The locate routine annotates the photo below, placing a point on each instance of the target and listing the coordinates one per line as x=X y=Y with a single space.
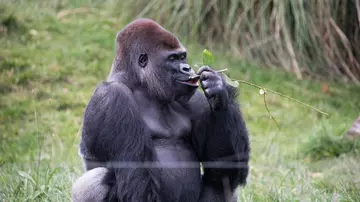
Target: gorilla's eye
x=172 y=57
x=143 y=60
x=182 y=56
x=175 y=57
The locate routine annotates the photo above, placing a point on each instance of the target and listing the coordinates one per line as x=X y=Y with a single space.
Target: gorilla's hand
x=214 y=88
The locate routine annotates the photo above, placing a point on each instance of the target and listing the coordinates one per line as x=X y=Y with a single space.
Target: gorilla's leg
x=90 y=187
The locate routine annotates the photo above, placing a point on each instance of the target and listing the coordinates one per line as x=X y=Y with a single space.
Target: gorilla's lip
x=190 y=82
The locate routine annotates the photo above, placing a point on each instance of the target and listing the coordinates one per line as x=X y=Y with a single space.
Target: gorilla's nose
x=185 y=69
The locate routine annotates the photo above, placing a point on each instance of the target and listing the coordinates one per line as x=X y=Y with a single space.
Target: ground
x=50 y=65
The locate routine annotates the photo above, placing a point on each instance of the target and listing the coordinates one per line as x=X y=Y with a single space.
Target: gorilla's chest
x=170 y=122
x=165 y=121
x=169 y=125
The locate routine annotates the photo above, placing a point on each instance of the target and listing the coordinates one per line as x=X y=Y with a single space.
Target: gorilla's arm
x=114 y=133
x=222 y=144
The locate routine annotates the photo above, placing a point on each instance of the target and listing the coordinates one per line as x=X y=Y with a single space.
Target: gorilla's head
x=154 y=58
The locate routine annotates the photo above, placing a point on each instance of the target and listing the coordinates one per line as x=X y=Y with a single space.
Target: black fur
x=221 y=137
x=113 y=132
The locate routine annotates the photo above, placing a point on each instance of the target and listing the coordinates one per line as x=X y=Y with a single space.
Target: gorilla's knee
x=90 y=187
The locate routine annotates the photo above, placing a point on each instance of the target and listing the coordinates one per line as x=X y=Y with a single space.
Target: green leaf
x=207 y=58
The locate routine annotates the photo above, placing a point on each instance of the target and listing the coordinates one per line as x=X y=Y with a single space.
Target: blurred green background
x=53 y=53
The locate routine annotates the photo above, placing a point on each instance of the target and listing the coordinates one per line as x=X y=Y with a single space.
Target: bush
x=326 y=145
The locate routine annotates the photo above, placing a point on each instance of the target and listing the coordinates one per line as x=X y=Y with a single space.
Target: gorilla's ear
x=143 y=60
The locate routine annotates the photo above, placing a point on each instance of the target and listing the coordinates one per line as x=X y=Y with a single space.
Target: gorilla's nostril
x=185 y=67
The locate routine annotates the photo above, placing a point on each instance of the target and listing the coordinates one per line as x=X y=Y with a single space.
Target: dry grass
x=316 y=38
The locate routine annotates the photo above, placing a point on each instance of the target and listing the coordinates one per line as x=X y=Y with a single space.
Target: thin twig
x=267 y=109
x=222 y=70
x=269 y=90
x=282 y=95
x=198 y=76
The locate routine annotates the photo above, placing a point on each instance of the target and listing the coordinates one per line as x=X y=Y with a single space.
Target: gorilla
x=150 y=134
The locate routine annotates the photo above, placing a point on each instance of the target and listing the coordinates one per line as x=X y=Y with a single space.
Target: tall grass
x=319 y=38
x=316 y=38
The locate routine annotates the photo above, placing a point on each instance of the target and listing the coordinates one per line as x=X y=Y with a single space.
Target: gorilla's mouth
x=191 y=82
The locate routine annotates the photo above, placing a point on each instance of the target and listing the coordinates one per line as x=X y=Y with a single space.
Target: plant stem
x=267 y=109
x=282 y=95
x=198 y=76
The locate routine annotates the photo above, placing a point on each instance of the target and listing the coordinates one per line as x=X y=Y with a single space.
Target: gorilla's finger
x=207 y=93
x=204 y=84
x=204 y=68
x=211 y=92
x=205 y=75
x=209 y=83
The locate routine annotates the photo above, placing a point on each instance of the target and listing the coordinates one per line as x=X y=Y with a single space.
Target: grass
x=49 y=67
x=317 y=38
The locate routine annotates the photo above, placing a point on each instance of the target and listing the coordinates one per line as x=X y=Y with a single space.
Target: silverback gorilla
x=147 y=129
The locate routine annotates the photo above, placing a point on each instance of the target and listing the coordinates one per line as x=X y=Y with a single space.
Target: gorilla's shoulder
x=112 y=91
x=112 y=87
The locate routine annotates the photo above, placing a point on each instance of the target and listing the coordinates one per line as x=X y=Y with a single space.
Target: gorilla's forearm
x=225 y=144
x=228 y=145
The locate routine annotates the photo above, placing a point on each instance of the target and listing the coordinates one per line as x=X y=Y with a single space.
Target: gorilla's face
x=168 y=75
x=183 y=79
